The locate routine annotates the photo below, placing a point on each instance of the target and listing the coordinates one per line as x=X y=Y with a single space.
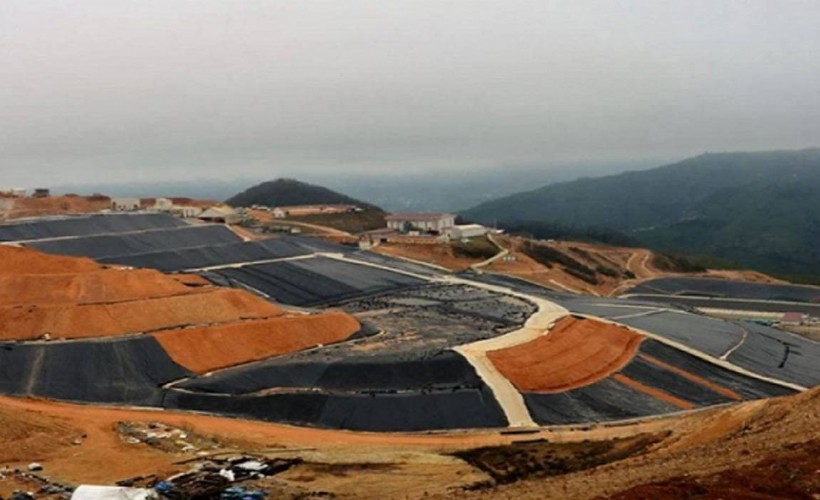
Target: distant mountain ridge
x=757 y=209
x=286 y=192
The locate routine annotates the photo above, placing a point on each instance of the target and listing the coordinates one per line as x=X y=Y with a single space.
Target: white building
x=162 y=205
x=14 y=192
x=125 y=204
x=431 y=221
x=461 y=232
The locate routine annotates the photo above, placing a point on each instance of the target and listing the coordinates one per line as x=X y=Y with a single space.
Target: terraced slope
x=706 y=287
x=399 y=356
x=575 y=353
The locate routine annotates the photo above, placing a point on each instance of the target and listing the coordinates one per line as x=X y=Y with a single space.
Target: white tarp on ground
x=87 y=492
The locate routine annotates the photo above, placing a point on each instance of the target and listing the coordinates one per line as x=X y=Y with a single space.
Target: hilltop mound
x=287 y=192
x=16 y=260
x=17 y=208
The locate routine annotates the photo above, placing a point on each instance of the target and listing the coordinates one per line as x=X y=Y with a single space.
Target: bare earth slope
x=759 y=449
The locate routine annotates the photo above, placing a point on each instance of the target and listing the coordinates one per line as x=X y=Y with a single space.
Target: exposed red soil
x=438 y=254
x=755 y=449
x=792 y=474
x=617 y=260
x=55 y=205
x=106 y=285
x=18 y=260
x=616 y=269
x=104 y=458
x=101 y=320
x=27 y=434
x=575 y=353
x=654 y=392
x=206 y=349
x=693 y=378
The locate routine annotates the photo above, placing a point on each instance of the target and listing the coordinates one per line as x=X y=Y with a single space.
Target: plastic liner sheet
x=748 y=387
x=124 y=371
x=360 y=374
x=107 y=246
x=671 y=383
x=733 y=304
x=214 y=255
x=315 y=281
x=520 y=285
x=779 y=354
x=603 y=401
x=411 y=411
x=710 y=335
x=396 y=263
x=60 y=227
x=711 y=287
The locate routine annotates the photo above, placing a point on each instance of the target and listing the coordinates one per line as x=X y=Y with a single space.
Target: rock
x=34 y=466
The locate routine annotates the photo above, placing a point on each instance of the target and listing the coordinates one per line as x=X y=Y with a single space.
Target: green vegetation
x=547 y=230
x=547 y=256
x=676 y=264
x=286 y=192
x=760 y=210
x=475 y=248
x=352 y=222
x=540 y=458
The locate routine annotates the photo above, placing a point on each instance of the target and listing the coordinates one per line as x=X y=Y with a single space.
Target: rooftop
x=417 y=216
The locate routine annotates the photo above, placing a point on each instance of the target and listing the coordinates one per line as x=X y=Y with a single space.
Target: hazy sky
x=116 y=90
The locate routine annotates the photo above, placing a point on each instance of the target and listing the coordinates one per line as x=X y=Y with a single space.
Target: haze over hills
x=397 y=190
x=284 y=192
x=757 y=209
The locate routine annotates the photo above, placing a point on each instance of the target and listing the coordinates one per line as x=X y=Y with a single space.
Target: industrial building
x=464 y=231
x=300 y=210
x=433 y=222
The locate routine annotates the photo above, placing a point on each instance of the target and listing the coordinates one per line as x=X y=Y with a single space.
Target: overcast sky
x=117 y=90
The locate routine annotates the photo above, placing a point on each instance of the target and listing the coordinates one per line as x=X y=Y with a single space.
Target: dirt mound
x=107 y=285
x=101 y=320
x=56 y=205
x=17 y=260
x=440 y=254
x=791 y=473
x=26 y=436
x=206 y=349
x=575 y=353
x=756 y=449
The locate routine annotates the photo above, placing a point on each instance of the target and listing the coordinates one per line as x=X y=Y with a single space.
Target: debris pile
x=165 y=437
x=29 y=485
x=216 y=479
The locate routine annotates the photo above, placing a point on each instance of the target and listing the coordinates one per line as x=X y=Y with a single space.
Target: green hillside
x=285 y=192
x=760 y=210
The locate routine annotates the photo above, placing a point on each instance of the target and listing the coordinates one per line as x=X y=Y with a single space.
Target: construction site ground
x=79 y=444
x=410 y=352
